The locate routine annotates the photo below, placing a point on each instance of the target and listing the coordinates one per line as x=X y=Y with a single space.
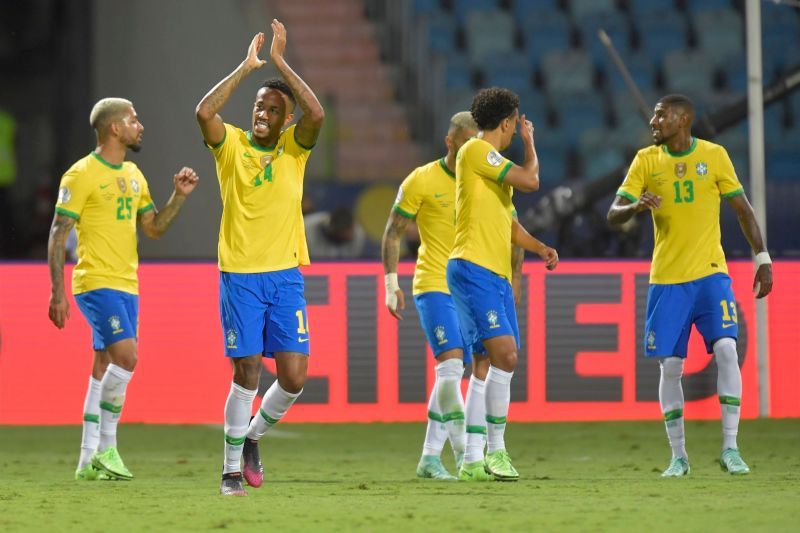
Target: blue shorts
x=263 y=313
x=439 y=320
x=708 y=303
x=484 y=302
x=113 y=315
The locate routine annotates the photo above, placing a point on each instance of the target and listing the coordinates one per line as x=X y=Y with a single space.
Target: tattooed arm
x=154 y=223
x=390 y=251
x=59 y=306
x=310 y=123
x=207 y=110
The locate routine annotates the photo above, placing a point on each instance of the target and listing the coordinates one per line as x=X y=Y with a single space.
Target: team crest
x=123 y=187
x=230 y=337
x=491 y=316
x=702 y=168
x=440 y=334
x=494 y=158
x=266 y=160
x=135 y=186
x=115 y=324
x=651 y=340
x=680 y=169
x=64 y=195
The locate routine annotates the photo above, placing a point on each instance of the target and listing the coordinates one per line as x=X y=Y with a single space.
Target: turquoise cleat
x=431 y=467
x=678 y=466
x=731 y=461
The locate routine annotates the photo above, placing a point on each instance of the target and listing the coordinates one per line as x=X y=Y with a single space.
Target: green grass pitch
x=582 y=477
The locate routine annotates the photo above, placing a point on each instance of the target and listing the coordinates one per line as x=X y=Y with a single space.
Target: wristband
x=762 y=258
x=390 y=281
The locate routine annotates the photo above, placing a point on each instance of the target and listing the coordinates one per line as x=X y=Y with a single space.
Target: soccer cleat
x=459 y=459
x=678 y=466
x=87 y=473
x=499 y=465
x=731 y=461
x=232 y=485
x=475 y=471
x=111 y=463
x=431 y=467
x=253 y=470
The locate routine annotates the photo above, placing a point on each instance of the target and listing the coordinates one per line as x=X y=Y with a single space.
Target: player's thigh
x=715 y=314
x=439 y=321
x=112 y=315
x=668 y=320
x=124 y=353
x=242 y=310
x=287 y=328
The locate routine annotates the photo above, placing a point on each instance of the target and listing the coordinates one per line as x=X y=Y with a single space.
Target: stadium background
x=390 y=74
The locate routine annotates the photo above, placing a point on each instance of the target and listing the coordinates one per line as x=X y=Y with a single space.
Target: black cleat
x=232 y=485
x=253 y=470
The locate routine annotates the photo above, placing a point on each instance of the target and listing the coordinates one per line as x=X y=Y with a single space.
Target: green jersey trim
x=624 y=194
x=396 y=209
x=258 y=146
x=67 y=213
x=145 y=209
x=224 y=136
x=301 y=145
x=685 y=152
x=503 y=172
x=731 y=194
x=446 y=170
x=106 y=163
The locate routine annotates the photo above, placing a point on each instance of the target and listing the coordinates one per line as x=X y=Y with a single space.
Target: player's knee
x=505 y=360
x=292 y=384
x=671 y=367
x=725 y=352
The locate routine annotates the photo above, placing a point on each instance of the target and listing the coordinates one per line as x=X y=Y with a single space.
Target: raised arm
x=310 y=123
x=390 y=251
x=59 y=306
x=207 y=111
x=523 y=239
x=525 y=178
x=762 y=283
x=154 y=223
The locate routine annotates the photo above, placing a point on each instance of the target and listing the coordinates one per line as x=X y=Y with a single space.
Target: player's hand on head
x=550 y=258
x=762 y=284
x=252 y=61
x=278 y=40
x=58 y=310
x=526 y=128
x=185 y=181
x=648 y=200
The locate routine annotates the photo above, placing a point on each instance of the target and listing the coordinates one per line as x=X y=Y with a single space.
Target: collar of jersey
x=447 y=170
x=685 y=152
x=106 y=163
x=258 y=146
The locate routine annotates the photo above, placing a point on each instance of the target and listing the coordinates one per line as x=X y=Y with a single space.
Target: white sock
x=436 y=432
x=112 y=397
x=729 y=389
x=670 y=395
x=498 y=398
x=449 y=374
x=237 y=417
x=274 y=405
x=91 y=423
x=476 y=420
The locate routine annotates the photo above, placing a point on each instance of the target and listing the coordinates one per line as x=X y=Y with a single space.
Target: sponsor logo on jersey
x=64 y=195
x=266 y=160
x=123 y=187
x=680 y=169
x=135 y=186
x=702 y=168
x=494 y=158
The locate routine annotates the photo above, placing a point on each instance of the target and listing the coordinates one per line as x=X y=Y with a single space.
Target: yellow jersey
x=262 y=188
x=686 y=226
x=428 y=195
x=483 y=208
x=105 y=200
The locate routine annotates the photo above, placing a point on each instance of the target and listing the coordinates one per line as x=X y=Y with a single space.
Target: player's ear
x=448 y=142
x=289 y=118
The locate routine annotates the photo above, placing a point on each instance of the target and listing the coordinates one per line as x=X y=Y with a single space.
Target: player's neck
x=111 y=152
x=493 y=137
x=450 y=161
x=680 y=142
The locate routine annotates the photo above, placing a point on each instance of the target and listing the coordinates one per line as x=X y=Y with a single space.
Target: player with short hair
x=479 y=271
x=681 y=179
x=104 y=196
x=261 y=245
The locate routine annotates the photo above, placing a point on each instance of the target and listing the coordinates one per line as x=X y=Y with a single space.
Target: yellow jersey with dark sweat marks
x=686 y=226
x=105 y=200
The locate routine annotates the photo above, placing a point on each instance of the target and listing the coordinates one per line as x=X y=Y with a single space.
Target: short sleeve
x=409 y=197
x=727 y=182
x=72 y=195
x=292 y=147
x=224 y=149
x=487 y=162
x=145 y=200
x=633 y=186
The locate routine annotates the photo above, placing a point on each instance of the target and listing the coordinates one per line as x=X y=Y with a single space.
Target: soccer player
x=680 y=180
x=104 y=196
x=479 y=270
x=261 y=245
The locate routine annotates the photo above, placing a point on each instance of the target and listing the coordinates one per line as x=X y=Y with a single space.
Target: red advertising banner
x=581 y=356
